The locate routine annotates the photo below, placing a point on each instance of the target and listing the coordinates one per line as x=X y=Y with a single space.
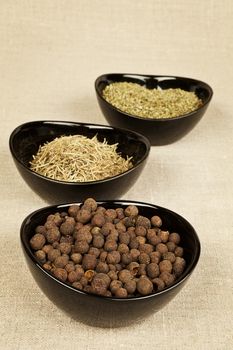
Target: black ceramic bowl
x=159 y=131
x=109 y=311
x=25 y=141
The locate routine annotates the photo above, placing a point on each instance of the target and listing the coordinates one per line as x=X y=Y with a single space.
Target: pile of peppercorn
x=109 y=252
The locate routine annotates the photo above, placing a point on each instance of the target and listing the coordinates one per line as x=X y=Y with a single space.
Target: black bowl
x=109 y=311
x=159 y=131
x=25 y=141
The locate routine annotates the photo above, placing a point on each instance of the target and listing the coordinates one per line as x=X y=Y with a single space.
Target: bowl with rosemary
x=163 y=108
x=109 y=263
x=67 y=161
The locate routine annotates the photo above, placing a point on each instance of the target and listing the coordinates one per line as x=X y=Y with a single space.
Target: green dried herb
x=137 y=100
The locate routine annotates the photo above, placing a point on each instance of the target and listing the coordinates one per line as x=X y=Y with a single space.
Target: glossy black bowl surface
x=108 y=311
x=25 y=141
x=159 y=131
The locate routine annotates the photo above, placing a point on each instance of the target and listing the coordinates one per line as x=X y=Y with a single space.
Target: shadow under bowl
x=26 y=139
x=99 y=311
x=159 y=131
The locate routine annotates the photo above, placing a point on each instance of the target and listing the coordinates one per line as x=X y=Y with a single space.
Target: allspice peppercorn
x=144 y=286
x=37 y=241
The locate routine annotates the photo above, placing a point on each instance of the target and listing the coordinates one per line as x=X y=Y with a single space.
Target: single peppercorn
x=141 y=270
x=130 y=286
x=61 y=261
x=47 y=266
x=110 y=245
x=90 y=204
x=134 y=254
x=144 y=286
x=162 y=248
x=112 y=275
x=98 y=220
x=126 y=258
x=152 y=270
x=123 y=248
x=158 y=284
x=124 y=238
x=133 y=268
x=80 y=272
x=114 y=285
x=102 y=267
x=141 y=240
x=125 y=275
x=121 y=293
x=81 y=247
x=144 y=258
x=179 y=251
x=76 y=258
x=120 y=213
x=120 y=227
x=94 y=251
x=167 y=278
x=140 y=231
x=41 y=256
x=72 y=276
x=165 y=266
x=89 y=262
x=129 y=221
x=53 y=234
x=53 y=254
x=40 y=229
x=134 y=244
x=67 y=227
x=89 y=275
x=143 y=221
x=37 y=241
x=155 y=257
x=99 y=283
x=146 y=248
x=156 y=221
x=84 y=281
x=60 y=273
x=169 y=256
x=131 y=210
x=174 y=237
x=70 y=266
x=98 y=241
x=113 y=257
x=113 y=236
x=83 y=215
x=65 y=248
x=110 y=214
x=77 y=285
x=73 y=210
x=107 y=228
x=178 y=266
x=46 y=248
x=171 y=246
x=103 y=256
x=163 y=235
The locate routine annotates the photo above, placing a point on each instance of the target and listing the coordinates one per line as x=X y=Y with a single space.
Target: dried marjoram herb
x=137 y=100
x=78 y=158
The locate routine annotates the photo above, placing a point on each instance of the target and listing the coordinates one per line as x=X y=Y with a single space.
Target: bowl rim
x=203 y=84
x=185 y=275
x=39 y=123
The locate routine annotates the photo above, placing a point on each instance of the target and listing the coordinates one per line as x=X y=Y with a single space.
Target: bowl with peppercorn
x=109 y=263
x=66 y=161
x=163 y=108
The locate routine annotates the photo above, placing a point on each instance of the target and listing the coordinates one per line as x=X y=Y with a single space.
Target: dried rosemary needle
x=140 y=101
x=78 y=158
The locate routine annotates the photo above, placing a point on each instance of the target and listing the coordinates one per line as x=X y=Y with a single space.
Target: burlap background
x=51 y=53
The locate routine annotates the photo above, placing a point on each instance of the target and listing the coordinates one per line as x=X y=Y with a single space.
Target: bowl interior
x=201 y=89
x=26 y=139
x=171 y=221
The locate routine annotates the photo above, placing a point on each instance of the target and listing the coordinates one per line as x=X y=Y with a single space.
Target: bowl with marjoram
x=109 y=309
x=161 y=129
